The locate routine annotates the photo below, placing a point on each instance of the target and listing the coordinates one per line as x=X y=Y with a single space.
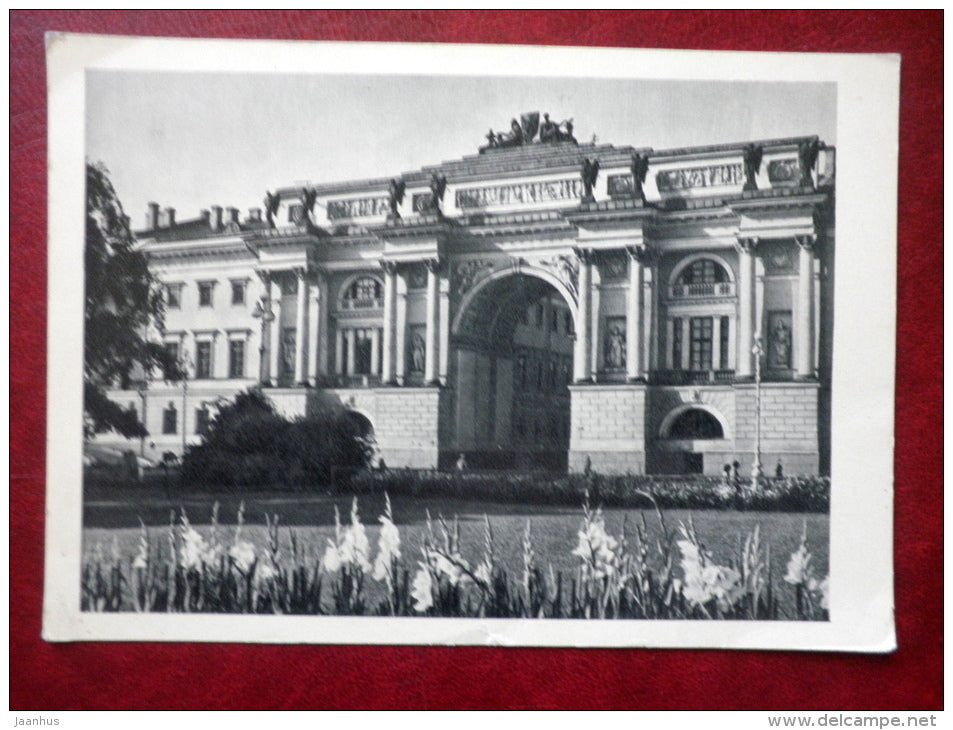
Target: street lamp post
x=264 y=313
x=184 y=368
x=757 y=351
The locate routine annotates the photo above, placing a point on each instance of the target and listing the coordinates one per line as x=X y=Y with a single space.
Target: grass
x=496 y=560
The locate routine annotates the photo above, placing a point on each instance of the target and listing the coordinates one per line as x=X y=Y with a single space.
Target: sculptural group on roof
x=524 y=131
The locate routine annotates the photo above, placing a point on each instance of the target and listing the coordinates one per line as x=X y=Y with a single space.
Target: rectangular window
x=676 y=344
x=201 y=420
x=173 y=349
x=170 y=420
x=554 y=324
x=203 y=360
x=173 y=296
x=236 y=358
x=540 y=320
x=206 y=288
x=723 y=364
x=700 y=329
x=238 y=293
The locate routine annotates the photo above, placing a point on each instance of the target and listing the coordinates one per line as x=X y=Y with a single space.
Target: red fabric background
x=202 y=676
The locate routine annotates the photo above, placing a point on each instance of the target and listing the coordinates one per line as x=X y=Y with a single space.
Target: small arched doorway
x=686 y=435
x=359 y=427
x=511 y=366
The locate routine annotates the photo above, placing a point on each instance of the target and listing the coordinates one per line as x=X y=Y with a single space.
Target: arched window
x=703 y=277
x=363 y=293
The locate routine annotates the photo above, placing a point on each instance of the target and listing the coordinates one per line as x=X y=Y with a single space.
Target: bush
x=249 y=444
x=789 y=494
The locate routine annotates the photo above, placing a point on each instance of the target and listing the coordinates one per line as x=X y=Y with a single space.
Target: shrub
x=249 y=444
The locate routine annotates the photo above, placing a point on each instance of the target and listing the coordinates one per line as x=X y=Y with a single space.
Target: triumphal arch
x=539 y=303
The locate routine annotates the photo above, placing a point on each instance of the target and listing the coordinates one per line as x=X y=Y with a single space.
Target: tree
x=123 y=300
x=249 y=444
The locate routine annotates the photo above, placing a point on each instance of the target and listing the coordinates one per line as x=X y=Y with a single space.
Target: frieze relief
x=613 y=266
x=784 y=172
x=700 y=177
x=546 y=191
x=358 y=207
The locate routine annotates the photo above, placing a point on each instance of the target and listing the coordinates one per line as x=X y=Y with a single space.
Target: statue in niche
x=640 y=168
x=615 y=347
x=395 y=196
x=807 y=157
x=752 y=162
x=418 y=356
x=272 y=201
x=288 y=352
x=590 y=173
x=781 y=344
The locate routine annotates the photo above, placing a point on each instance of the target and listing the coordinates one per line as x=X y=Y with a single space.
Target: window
x=703 y=278
x=201 y=420
x=173 y=296
x=238 y=293
x=554 y=323
x=236 y=358
x=723 y=359
x=203 y=360
x=568 y=323
x=677 y=344
x=172 y=348
x=364 y=293
x=540 y=320
x=170 y=418
x=206 y=289
x=700 y=338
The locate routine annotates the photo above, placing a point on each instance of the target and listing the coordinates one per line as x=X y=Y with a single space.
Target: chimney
x=152 y=216
x=254 y=215
x=170 y=217
x=216 y=222
x=232 y=215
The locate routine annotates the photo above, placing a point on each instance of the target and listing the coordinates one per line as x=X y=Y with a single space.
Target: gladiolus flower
x=242 y=554
x=388 y=549
x=422 y=590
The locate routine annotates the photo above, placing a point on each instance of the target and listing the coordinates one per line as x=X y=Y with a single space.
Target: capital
x=585 y=255
x=807 y=242
x=389 y=267
x=645 y=255
x=747 y=244
x=433 y=265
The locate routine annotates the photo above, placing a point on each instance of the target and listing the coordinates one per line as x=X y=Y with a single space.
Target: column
x=390 y=321
x=583 y=319
x=716 y=342
x=301 y=328
x=444 y=327
x=686 y=363
x=274 y=346
x=351 y=351
x=375 y=350
x=315 y=333
x=430 y=365
x=633 y=316
x=745 y=305
x=595 y=330
x=339 y=351
x=400 y=335
x=805 y=307
x=323 y=338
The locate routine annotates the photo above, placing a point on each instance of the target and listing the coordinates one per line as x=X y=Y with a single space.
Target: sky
x=193 y=140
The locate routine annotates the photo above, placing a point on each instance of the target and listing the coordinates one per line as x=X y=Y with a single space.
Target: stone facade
x=532 y=317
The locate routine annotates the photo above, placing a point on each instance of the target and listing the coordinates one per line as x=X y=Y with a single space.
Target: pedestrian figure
x=735 y=476
x=587 y=469
x=727 y=470
x=381 y=465
x=462 y=463
x=779 y=470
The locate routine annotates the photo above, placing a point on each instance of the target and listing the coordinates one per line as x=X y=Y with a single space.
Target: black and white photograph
x=414 y=344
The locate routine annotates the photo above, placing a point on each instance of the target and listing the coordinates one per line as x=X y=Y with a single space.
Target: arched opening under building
x=512 y=363
x=688 y=436
x=360 y=427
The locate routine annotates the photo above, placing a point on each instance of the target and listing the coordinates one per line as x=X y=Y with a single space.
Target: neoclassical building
x=539 y=303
